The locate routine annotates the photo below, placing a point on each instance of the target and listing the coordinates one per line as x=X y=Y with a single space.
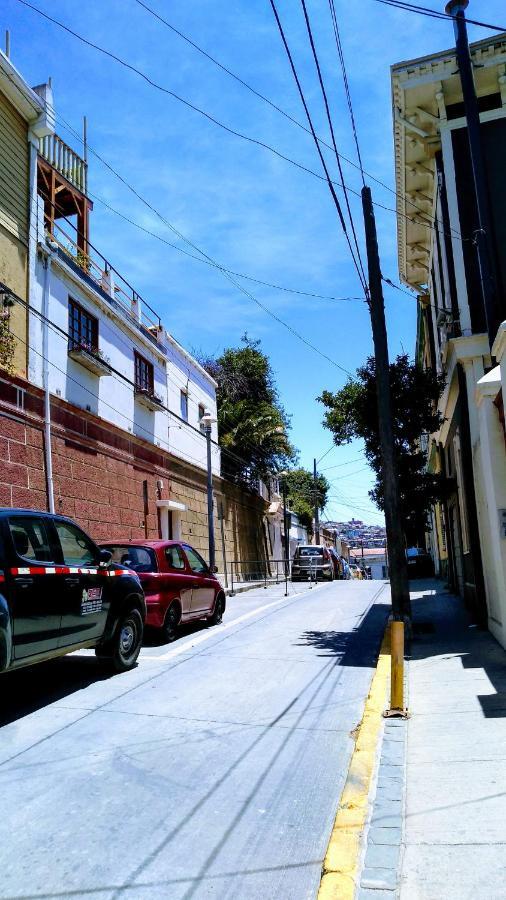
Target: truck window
x=31 y=539
x=78 y=549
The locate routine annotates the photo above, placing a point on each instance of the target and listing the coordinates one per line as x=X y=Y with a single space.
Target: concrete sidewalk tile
x=382 y=856
x=394 y=790
x=379 y=879
x=387 y=820
x=379 y=835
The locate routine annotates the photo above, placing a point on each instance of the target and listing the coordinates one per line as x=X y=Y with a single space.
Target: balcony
x=91 y=359
x=64 y=160
x=149 y=400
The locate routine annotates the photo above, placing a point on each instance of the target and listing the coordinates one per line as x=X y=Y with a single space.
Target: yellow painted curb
x=340 y=866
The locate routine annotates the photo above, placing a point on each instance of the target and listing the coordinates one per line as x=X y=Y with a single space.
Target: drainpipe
x=45 y=381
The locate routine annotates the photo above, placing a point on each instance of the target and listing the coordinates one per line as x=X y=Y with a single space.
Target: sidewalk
x=452 y=812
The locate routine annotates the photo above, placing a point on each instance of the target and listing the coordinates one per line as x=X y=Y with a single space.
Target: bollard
x=397 y=707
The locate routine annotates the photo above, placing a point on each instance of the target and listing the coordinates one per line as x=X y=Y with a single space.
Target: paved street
x=212 y=770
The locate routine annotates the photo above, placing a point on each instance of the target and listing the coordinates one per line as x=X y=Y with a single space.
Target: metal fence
x=264 y=572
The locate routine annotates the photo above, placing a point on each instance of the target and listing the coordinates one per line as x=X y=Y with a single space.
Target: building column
x=491 y=485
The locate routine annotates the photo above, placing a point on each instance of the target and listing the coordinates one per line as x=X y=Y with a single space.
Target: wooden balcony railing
x=65 y=160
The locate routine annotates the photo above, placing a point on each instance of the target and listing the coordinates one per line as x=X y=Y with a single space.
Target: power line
x=171 y=93
x=222 y=269
x=332 y=134
x=318 y=148
x=268 y=284
x=279 y=109
x=241 y=135
x=340 y=465
x=346 y=84
x=435 y=14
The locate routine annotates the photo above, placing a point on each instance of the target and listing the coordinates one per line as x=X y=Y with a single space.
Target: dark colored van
x=59 y=592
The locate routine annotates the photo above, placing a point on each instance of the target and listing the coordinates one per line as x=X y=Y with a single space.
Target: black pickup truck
x=59 y=592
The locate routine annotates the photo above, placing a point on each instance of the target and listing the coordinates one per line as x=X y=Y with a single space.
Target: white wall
x=185 y=374
x=111 y=397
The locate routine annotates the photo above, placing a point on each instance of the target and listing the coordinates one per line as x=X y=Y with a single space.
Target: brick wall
x=100 y=473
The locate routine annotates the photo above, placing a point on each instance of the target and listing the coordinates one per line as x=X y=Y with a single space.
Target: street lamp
x=207 y=422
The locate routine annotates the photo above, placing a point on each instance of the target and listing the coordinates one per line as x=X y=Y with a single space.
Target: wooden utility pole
x=401 y=607
x=316 y=511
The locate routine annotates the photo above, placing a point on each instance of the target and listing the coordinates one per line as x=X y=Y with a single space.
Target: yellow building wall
x=14 y=220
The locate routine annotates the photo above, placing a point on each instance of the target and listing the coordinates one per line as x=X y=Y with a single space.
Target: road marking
x=209 y=634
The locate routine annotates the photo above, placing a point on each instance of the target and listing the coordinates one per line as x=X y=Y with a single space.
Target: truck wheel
x=121 y=652
x=172 y=617
x=217 y=615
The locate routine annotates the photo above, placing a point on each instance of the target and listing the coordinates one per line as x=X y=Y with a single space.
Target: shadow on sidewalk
x=352 y=648
x=451 y=634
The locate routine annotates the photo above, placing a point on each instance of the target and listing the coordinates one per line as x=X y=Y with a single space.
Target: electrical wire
x=223 y=270
x=269 y=284
x=332 y=134
x=318 y=148
x=279 y=109
x=340 y=54
x=245 y=137
x=436 y=14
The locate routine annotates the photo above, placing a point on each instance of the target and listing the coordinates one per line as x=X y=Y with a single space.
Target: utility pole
x=401 y=607
x=316 y=511
x=482 y=234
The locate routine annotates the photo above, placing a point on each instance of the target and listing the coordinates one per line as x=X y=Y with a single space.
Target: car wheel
x=217 y=617
x=171 y=622
x=122 y=650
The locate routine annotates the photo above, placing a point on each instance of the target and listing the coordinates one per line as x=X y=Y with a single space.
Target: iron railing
x=264 y=572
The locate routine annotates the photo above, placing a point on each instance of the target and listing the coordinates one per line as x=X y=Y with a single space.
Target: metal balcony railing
x=95 y=268
x=65 y=160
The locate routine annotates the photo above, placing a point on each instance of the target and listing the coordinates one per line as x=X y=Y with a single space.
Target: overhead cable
x=435 y=13
x=317 y=145
x=332 y=134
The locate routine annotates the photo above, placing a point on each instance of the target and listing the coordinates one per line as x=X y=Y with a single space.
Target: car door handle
x=72 y=582
x=24 y=582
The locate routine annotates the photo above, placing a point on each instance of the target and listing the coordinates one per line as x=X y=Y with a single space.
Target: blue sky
x=245 y=207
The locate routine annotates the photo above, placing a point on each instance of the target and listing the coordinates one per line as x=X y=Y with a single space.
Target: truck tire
x=121 y=652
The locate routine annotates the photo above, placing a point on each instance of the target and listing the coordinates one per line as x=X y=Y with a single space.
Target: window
x=184 y=405
x=197 y=564
x=78 y=549
x=144 y=376
x=83 y=328
x=31 y=539
x=174 y=557
x=202 y=410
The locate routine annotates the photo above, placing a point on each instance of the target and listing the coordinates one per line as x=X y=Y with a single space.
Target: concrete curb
x=341 y=864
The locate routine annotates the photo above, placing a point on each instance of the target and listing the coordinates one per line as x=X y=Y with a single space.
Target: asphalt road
x=213 y=770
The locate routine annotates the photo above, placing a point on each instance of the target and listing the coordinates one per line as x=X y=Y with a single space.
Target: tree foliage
x=352 y=413
x=252 y=424
x=300 y=489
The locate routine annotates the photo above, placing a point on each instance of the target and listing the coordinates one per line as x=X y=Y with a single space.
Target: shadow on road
x=26 y=690
x=352 y=648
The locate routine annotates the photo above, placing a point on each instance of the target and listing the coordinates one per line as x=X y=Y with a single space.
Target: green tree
x=300 y=494
x=252 y=424
x=352 y=413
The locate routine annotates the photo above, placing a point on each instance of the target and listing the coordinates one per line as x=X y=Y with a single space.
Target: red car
x=178 y=584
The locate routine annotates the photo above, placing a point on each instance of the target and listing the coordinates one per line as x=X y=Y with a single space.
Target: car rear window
x=31 y=539
x=139 y=559
x=309 y=551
